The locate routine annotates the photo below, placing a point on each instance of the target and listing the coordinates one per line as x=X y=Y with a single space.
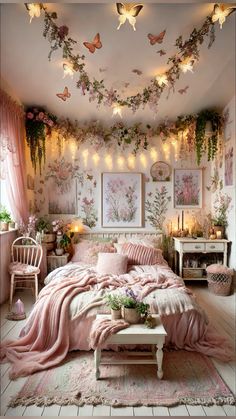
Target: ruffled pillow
x=87 y=251
x=112 y=264
x=142 y=255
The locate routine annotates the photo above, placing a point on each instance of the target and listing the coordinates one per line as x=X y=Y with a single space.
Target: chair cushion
x=19 y=268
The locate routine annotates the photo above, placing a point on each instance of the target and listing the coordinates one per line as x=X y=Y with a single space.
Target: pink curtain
x=13 y=168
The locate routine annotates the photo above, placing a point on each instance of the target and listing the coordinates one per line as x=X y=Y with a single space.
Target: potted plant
x=12 y=225
x=115 y=303
x=5 y=219
x=132 y=307
x=221 y=208
x=63 y=243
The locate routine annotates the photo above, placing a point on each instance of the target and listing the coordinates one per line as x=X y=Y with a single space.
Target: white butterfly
x=128 y=11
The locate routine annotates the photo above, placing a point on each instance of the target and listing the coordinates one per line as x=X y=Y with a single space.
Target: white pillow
x=112 y=264
x=149 y=240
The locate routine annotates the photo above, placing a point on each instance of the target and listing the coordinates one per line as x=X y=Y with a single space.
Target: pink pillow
x=87 y=251
x=142 y=255
x=112 y=264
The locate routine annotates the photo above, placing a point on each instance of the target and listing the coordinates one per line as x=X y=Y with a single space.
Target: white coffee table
x=137 y=334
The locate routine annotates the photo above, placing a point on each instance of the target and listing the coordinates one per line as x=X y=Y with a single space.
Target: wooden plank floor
x=221 y=312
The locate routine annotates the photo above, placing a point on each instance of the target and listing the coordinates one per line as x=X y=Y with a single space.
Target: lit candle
x=218 y=234
x=178 y=222
x=76 y=229
x=182 y=220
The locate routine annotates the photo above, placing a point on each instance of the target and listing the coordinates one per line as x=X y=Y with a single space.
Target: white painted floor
x=221 y=311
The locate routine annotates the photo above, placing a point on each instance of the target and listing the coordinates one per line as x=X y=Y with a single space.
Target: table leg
x=97 y=358
x=159 y=356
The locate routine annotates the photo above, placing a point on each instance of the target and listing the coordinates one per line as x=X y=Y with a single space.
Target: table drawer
x=194 y=247
x=215 y=247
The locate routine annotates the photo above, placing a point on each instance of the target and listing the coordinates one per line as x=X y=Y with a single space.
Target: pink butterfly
x=138 y=72
x=182 y=91
x=161 y=52
x=156 y=39
x=65 y=95
x=96 y=43
x=150 y=194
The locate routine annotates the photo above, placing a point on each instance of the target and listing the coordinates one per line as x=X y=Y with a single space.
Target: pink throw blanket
x=103 y=328
x=46 y=337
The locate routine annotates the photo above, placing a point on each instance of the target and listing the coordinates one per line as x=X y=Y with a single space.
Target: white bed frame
x=115 y=234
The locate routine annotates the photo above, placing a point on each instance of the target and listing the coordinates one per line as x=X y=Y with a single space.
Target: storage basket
x=193 y=272
x=219 y=283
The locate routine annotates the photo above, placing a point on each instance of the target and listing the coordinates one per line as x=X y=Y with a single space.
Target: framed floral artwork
x=229 y=164
x=188 y=188
x=122 y=200
x=62 y=202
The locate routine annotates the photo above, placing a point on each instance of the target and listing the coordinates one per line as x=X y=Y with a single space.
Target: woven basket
x=219 y=283
x=193 y=273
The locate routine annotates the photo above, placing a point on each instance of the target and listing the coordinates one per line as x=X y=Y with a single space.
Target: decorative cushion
x=142 y=255
x=149 y=240
x=19 y=268
x=87 y=251
x=112 y=264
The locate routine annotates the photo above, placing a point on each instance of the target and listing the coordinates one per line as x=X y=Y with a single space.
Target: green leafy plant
x=43 y=224
x=143 y=309
x=114 y=301
x=158 y=208
x=66 y=240
x=5 y=216
x=221 y=208
x=211 y=143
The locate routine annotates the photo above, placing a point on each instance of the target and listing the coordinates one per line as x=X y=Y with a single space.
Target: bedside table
x=198 y=246
x=54 y=261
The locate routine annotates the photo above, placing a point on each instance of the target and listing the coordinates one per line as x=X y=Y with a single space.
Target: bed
x=62 y=318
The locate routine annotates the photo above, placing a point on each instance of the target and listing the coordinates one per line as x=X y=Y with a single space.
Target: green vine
x=211 y=144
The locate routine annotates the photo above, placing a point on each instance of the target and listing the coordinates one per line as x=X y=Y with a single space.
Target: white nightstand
x=198 y=246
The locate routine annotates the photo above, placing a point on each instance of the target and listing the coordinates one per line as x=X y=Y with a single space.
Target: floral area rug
x=189 y=378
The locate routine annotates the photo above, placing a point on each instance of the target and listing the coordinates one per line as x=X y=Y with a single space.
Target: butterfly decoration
x=221 y=11
x=128 y=12
x=147 y=179
x=149 y=194
x=96 y=43
x=161 y=52
x=126 y=85
x=156 y=39
x=184 y=90
x=138 y=72
x=65 y=95
x=89 y=177
x=95 y=184
x=102 y=70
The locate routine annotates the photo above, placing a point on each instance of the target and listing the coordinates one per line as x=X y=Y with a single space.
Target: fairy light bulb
x=187 y=65
x=131 y=161
x=108 y=161
x=162 y=80
x=68 y=70
x=128 y=11
x=34 y=10
x=117 y=110
x=153 y=154
x=96 y=158
x=121 y=161
x=143 y=160
x=85 y=157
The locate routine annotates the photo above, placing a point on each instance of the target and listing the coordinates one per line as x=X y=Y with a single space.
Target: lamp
x=77 y=226
x=117 y=110
x=162 y=80
x=128 y=11
x=34 y=9
x=68 y=70
x=221 y=11
x=187 y=65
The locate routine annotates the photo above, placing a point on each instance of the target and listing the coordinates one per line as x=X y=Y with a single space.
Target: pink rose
x=41 y=115
x=30 y=115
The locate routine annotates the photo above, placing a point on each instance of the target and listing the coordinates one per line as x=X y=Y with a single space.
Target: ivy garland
x=96 y=89
x=39 y=124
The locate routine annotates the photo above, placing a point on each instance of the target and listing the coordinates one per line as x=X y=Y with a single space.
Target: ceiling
x=35 y=80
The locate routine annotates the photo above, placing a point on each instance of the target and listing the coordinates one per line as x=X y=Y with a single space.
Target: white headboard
x=115 y=234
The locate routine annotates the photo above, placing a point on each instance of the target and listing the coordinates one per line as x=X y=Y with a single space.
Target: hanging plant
x=38 y=124
x=201 y=143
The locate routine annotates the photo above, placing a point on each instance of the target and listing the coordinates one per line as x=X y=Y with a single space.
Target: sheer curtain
x=13 y=167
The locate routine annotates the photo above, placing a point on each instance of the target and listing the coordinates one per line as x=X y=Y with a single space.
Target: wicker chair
x=26 y=255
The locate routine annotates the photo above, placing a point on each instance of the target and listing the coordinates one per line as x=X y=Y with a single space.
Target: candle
x=182 y=220
x=76 y=229
x=178 y=222
x=19 y=307
x=218 y=234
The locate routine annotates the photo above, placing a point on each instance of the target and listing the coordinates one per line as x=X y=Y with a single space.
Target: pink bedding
x=62 y=317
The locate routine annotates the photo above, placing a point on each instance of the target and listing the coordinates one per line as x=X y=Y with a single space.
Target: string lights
x=34 y=9
x=162 y=80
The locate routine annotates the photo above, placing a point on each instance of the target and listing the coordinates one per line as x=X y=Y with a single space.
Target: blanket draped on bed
x=45 y=340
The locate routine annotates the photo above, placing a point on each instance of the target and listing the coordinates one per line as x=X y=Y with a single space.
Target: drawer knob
x=212 y=247
x=197 y=247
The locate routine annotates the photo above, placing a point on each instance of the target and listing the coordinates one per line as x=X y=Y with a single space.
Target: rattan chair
x=26 y=255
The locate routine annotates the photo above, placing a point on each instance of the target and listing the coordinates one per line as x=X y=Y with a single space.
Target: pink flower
x=63 y=31
x=41 y=115
x=30 y=115
x=50 y=123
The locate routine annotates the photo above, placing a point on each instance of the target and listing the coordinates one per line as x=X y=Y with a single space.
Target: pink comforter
x=62 y=317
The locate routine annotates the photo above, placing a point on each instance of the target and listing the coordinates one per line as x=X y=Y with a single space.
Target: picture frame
x=62 y=203
x=229 y=163
x=122 y=200
x=187 y=188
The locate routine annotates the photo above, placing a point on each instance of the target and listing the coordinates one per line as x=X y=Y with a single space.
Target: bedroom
x=118 y=142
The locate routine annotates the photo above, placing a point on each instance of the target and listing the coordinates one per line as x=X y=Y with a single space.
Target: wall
x=230 y=190
x=85 y=165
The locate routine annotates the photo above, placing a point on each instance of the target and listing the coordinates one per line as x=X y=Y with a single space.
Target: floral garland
x=40 y=124
x=187 y=51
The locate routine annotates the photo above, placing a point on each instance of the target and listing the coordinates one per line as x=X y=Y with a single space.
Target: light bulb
x=117 y=110
x=187 y=65
x=34 y=9
x=162 y=80
x=68 y=70
x=220 y=13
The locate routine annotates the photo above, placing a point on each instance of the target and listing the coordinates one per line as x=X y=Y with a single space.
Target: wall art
x=160 y=172
x=122 y=200
x=62 y=202
x=188 y=188
x=229 y=164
